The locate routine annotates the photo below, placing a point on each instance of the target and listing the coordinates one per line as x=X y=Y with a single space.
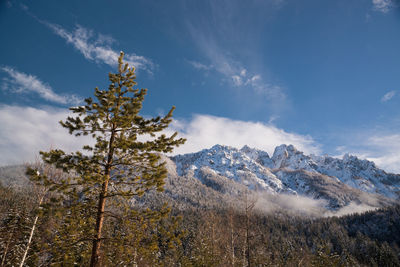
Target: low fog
x=302 y=205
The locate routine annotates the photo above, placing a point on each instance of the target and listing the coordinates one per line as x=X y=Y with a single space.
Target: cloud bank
x=26 y=130
x=22 y=83
x=204 y=131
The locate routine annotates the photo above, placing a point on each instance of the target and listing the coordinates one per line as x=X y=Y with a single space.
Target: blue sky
x=323 y=75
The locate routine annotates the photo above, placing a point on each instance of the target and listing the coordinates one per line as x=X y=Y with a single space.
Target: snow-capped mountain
x=222 y=176
x=290 y=171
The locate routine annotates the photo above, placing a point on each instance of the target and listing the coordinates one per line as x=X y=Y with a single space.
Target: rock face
x=290 y=171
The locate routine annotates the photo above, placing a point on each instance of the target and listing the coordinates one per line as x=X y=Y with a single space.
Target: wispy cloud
x=237 y=75
x=200 y=66
x=204 y=131
x=98 y=48
x=95 y=47
x=19 y=82
x=383 y=6
x=389 y=95
x=217 y=33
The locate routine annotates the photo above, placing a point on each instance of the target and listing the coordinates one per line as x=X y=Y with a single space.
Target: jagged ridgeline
x=289 y=176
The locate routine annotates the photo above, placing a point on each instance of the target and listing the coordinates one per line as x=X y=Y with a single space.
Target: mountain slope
x=339 y=182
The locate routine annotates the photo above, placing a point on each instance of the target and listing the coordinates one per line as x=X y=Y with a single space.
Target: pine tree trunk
x=95 y=260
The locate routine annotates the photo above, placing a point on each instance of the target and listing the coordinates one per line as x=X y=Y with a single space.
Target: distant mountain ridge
x=222 y=176
x=290 y=171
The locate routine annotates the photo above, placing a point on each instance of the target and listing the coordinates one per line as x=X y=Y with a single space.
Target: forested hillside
x=202 y=237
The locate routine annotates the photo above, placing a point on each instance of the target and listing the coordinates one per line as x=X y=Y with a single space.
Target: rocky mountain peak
x=280 y=173
x=280 y=155
x=284 y=151
x=287 y=156
x=356 y=162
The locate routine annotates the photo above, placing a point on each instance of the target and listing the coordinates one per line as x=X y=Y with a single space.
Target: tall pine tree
x=124 y=162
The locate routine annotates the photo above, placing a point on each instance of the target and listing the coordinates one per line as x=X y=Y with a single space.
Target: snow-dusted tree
x=123 y=163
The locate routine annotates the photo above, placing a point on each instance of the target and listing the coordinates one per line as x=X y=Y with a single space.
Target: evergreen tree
x=124 y=162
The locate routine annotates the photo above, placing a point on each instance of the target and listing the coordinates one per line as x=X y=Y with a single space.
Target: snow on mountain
x=245 y=166
x=361 y=174
x=290 y=171
x=290 y=158
x=355 y=172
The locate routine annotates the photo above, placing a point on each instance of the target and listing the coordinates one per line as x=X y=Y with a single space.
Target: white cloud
x=381 y=148
x=204 y=131
x=384 y=151
x=25 y=131
x=254 y=79
x=237 y=80
x=383 y=6
x=98 y=49
x=200 y=66
x=270 y=90
x=389 y=95
x=20 y=82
